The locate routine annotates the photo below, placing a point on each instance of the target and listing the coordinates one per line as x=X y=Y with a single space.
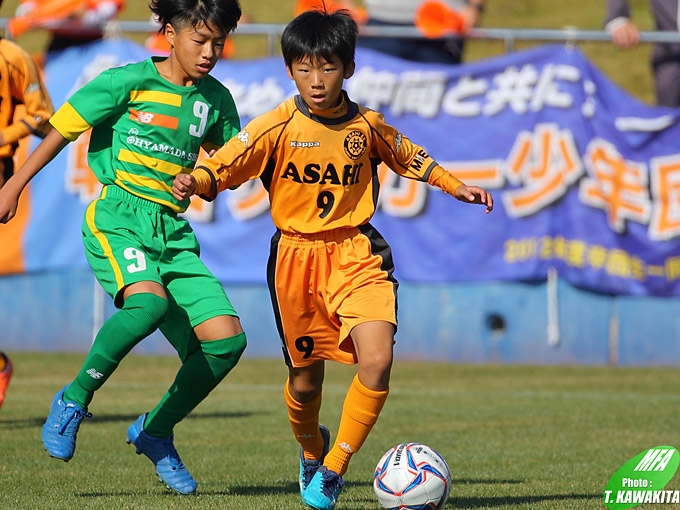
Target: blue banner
x=586 y=179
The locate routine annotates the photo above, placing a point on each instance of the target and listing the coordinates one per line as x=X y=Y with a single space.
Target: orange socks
x=304 y=420
x=359 y=413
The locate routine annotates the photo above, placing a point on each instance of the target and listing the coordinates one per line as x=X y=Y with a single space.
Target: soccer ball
x=412 y=476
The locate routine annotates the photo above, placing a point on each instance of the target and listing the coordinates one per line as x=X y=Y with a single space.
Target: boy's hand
x=183 y=186
x=474 y=195
x=8 y=204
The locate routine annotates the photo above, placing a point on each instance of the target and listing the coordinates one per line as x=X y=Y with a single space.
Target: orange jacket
x=20 y=83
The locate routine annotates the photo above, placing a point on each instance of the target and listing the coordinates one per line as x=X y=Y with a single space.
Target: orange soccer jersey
x=321 y=172
x=329 y=269
x=20 y=83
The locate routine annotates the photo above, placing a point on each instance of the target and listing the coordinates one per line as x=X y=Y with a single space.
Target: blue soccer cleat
x=161 y=451
x=308 y=468
x=323 y=491
x=61 y=427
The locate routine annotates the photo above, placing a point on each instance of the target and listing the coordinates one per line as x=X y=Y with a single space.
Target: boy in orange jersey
x=20 y=84
x=330 y=273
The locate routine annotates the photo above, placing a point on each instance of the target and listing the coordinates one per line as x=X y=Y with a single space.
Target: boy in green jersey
x=149 y=120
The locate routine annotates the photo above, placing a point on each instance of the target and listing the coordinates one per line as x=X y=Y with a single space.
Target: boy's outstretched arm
x=53 y=143
x=474 y=195
x=183 y=186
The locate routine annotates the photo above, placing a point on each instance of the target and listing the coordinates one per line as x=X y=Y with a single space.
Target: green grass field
x=630 y=68
x=515 y=437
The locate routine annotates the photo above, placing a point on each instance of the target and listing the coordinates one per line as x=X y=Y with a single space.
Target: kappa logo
x=344 y=446
x=244 y=137
x=304 y=145
x=397 y=142
x=355 y=144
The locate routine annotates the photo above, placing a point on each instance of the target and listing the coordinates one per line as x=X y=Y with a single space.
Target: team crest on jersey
x=244 y=137
x=355 y=144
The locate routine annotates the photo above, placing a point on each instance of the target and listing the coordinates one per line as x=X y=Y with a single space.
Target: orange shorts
x=322 y=285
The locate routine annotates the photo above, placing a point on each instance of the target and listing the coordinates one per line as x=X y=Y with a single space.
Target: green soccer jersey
x=146 y=130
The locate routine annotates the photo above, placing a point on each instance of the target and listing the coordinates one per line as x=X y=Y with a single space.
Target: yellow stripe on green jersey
x=156 y=164
x=143 y=182
x=154 y=96
x=106 y=247
x=134 y=191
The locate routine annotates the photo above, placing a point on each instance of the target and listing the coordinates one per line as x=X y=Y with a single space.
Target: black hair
x=222 y=15
x=319 y=34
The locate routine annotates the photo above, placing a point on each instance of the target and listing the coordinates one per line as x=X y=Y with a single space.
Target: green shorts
x=129 y=239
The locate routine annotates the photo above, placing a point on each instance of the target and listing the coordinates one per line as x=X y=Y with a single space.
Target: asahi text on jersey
x=313 y=173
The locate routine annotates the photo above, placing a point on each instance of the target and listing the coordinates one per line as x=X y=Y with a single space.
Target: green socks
x=197 y=377
x=140 y=316
x=202 y=371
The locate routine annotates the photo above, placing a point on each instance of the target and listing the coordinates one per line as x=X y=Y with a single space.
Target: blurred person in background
x=20 y=84
x=5 y=375
x=70 y=22
x=665 y=56
x=445 y=50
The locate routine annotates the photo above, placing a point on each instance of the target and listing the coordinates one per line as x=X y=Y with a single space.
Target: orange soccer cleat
x=5 y=375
